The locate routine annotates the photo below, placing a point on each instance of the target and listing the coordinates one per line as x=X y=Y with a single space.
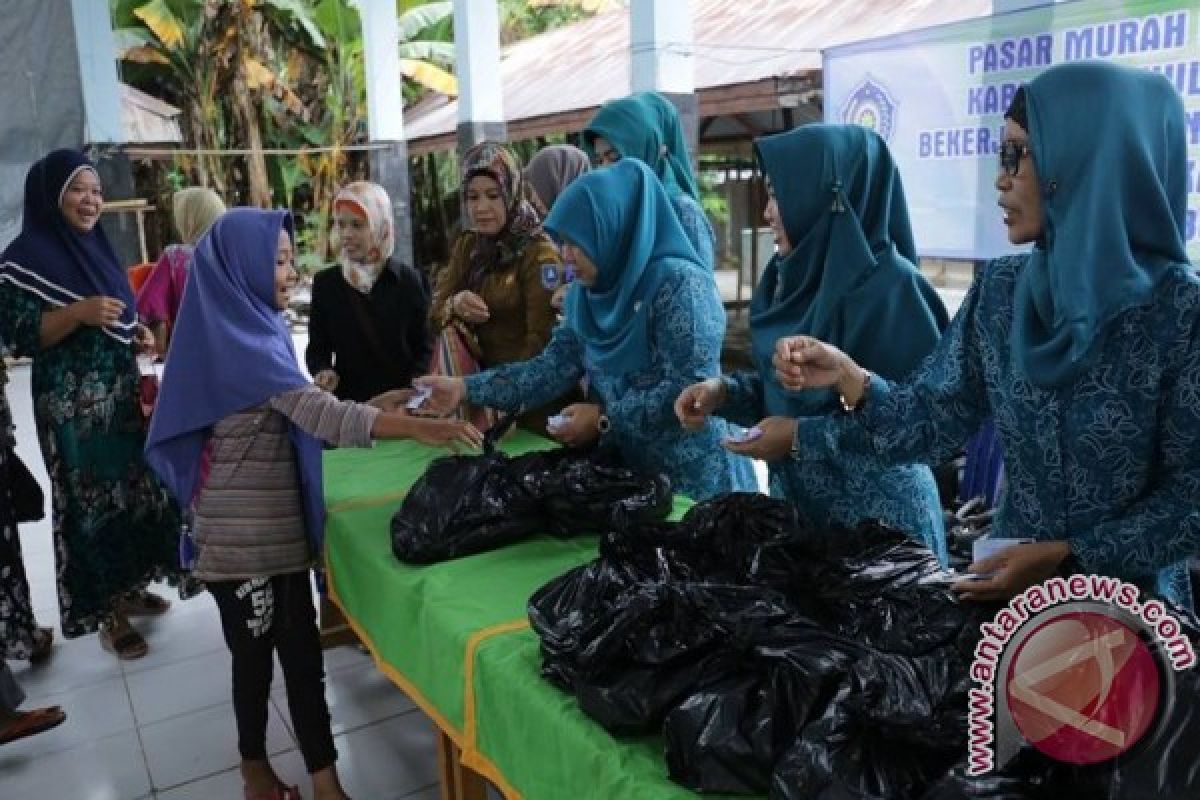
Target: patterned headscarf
x=194 y=210
x=371 y=202
x=521 y=224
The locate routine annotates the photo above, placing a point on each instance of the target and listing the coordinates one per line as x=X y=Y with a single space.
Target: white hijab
x=370 y=201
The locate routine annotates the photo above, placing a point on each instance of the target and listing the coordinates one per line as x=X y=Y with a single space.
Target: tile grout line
x=380 y=721
x=57 y=749
x=208 y=775
x=196 y=710
x=173 y=663
x=286 y=719
x=138 y=732
x=417 y=791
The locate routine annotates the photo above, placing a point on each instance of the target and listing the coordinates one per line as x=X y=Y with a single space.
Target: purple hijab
x=54 y=261
x=231 y=351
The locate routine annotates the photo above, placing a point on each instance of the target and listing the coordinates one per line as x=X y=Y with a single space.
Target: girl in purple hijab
x=66 y=303
x=234 y=397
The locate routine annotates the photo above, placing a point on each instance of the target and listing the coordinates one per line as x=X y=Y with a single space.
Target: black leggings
x=265 y=614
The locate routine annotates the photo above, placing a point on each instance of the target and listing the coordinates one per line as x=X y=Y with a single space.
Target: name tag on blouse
x=550 y=278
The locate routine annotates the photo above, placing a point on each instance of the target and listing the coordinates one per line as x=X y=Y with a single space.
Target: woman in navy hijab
x=65 y=301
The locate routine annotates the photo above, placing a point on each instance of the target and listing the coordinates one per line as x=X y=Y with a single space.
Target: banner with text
x=938 y=97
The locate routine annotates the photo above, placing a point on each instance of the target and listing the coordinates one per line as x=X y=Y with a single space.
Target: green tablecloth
x=456 y=639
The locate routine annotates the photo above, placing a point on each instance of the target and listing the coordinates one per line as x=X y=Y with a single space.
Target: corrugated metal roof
x=146 y=119
x=735 y=42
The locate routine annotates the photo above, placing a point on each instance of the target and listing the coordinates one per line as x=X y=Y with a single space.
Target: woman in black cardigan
x=368 y=329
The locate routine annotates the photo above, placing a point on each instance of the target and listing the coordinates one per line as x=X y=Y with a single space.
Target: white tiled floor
x=163 y=727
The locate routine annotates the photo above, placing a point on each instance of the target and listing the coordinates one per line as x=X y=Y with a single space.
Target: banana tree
x=520 y=19
x=169 y=41
x=427 y=61
x=332 y=84
x=211 y=56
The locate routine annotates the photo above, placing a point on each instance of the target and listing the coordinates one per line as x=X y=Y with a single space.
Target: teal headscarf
x=852 y=260
x=621 y=217
x=646 y=126
x=1111 y=155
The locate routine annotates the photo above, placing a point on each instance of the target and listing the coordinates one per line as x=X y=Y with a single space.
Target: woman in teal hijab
x=844 y=272
x=646 y=126
x=643 y=321
x=1086 y=351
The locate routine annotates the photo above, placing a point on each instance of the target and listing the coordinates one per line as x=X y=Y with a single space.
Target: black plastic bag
x=895 y=725
x=470 y=504
x=722 y=739
x=589 y=615
x=740 y=538
x=680 y=640
x=728 y=737
x=462 y=505
x=960 y=786
x=593 y=491
x=832 y=662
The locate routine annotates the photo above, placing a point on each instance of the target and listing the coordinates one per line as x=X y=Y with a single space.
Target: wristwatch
x=862 y=397
x=603 y=425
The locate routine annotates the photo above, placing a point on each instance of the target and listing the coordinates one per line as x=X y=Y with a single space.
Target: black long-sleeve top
x=397 y=308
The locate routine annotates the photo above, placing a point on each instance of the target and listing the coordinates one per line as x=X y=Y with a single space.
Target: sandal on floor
x=27 y=723
x=43 y=645
x=143 y=604
x=129 y=646
x=279 y=792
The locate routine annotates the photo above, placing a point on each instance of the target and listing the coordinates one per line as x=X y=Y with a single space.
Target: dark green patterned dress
x=17 y=626
x=115 y=527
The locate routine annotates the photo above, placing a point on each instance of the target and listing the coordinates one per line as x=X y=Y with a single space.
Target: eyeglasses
x=1011 y=154
x=606 y=158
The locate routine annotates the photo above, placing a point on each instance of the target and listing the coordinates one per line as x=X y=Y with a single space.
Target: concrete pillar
x=477 y=65
x=104 y=131
x=385 y=115
x=660 y=42
x=98 y=72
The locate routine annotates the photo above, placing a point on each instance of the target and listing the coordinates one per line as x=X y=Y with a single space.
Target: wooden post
x=446 y=757
x=457 y=782
x=334 y=630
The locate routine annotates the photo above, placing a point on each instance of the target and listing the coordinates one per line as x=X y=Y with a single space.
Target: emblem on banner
x=872 y=106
